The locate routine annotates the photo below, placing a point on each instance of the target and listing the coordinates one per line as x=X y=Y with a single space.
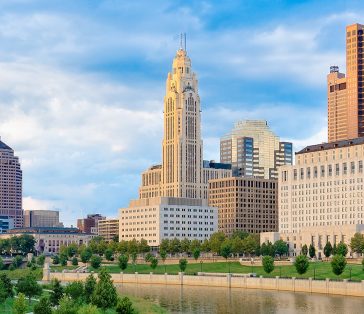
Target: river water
x=211 y=300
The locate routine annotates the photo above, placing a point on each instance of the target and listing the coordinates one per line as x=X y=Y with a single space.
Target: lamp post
x=229 y=266
x=201 y=262
x=350 y=272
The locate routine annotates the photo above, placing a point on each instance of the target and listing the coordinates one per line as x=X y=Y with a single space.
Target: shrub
x=40 y=260
x=55 y=259
x=66 y=306
x=95 y=261
x=17 y=261
x=57 y=292
x=301 y=263
x=75 y=290
x=312 y=251
x=124 y=306
x=342 y=249
x=43 y=306
x=19 y=305
x=109 y=254
x=88 y=309
x=74 y=261
x=153 y=262
x=29 y=286
x=182 y=264
x=7 y=284
x=90 y=285
x=338 y=264
x=123 y=261
x=105 y=295
x=63 y=260
x=148 y=257
x=268 y=264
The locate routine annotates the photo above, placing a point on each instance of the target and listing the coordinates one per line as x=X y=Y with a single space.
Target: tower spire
x=182 y=43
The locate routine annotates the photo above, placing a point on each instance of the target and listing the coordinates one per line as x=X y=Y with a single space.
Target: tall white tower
x=182 y=144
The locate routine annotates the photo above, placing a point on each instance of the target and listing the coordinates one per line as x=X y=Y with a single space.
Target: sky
x=82 y=85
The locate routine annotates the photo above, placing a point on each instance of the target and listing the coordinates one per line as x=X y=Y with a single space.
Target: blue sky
x=82 y=84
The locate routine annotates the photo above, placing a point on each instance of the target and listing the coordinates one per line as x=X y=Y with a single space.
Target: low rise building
x=245 y=203
x=41 y=218
x=50 y=239
x=159 y=218
x=108 y=229
x=90 y=223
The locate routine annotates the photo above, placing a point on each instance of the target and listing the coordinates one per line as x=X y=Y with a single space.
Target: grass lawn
x=322 y=270
x=7 y=307
x=21 y=272
x=60 y=268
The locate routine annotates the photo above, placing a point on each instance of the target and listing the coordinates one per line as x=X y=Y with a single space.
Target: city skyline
x=77 y=136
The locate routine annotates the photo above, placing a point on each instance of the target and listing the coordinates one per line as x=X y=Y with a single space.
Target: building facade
x=49 y=240
x=245 y=203
x=11 y=186
x=108 y=229
x=41 y=218
x=90 y=223
x=323 y=188
x=254 y=150
x=346 y=94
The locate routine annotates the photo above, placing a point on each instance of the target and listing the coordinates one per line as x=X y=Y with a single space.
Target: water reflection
x=185 y=299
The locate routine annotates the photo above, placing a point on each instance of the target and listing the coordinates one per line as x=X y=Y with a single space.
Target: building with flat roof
x=246 y=204
x=42 y=218
x=253 y=150
x=50 y=239
x=346 y=94
x=108 y=229
x=90 y=223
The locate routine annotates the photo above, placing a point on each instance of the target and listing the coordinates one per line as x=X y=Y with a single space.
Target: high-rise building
x=10 y=186
x=90 y=223
x=41 y=218
x=108 y=229
x=346 y=94
x=254 y=150
x=173 y=196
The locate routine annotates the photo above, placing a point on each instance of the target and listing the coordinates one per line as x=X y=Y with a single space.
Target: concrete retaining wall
x=228 y=281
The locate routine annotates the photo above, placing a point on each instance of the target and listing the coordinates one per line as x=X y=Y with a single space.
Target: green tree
x=251 y=245
x=163 y=255
x=280 y=248
x=109 y=254
x=312 y=251
x=304 y=250
x=185 y=245
x=338 y=264
x=123 y=247
x=334 y=249
x=1 y=263
x=41 y=259
x=63 y=260
x=124 y=306
x=164 y=246
x=268 y=264
x=26 y=243
x=328 y=249
x=57 y=292
x=143 y=246
x=3 y=293
x=195 y=244
x=225 y=249
x=90 y=285
x=105 y=295
x=67 y=306
x=216 y=240
x=357 y=243
x=75 y=290
x=196 y=253
x=43 y=306
x=7 y=284
x=123 y=262
x=148 y=257
x=175 y=246
x=55 y=260
x=29 y=286
x=134 y=257
x=74 y=261
x=133 y=246
x=342 y=249
x=267 y=249
x=205 y=246
x=182 y=264
x=19 y=305
x=88 y=309
x=362 y=264
x=95 y=261
x=240 y=234
x=85 y=255
x=301 y=263
x=72 y=249
x=154 y=262
x=17 y=261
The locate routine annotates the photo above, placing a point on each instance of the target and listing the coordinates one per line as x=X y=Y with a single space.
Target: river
x=208 y=300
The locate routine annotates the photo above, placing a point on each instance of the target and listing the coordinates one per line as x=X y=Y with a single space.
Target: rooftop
x=333 y=145
x=4 y=146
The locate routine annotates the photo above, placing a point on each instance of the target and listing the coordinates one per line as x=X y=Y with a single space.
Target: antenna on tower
x=181 y=42
x=185 y=42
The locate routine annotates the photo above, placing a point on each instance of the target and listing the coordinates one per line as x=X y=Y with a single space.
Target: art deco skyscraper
x=10 y=186
x=346 y=95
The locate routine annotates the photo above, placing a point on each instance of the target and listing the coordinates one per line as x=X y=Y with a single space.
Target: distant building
x=41 y=218
x=253 y=150
x=49 y=240
x=108 y=229
x=89 y=224
x=6 y=223
x=346 y=94
x=10 y=186
x=245 y=204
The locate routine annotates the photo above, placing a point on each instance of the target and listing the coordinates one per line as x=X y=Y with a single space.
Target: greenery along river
x=187 y=300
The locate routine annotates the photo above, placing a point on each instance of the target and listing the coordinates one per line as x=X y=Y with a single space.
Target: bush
x=29 y=286
x=109 y=254
x=148 y=257
x=88 y=309
x=57 y=292
x=123 y=261
x=90 y=285
x=7 y=284
x=95 y=261
x=182 y=264
x=63 y=260
x=11 y=267
x=40 y=260
x=338 y=264
x=105 y=295
x=153 y=263
x=74 y=261
x=124 y=306
x=75 y=290
x=301 y=263
x=43 y=306
x=312 y=251
x=17 y=261
x=66 y=306
x=19 y=305
x=342 y=249
x=55 y=260
x=268 y=264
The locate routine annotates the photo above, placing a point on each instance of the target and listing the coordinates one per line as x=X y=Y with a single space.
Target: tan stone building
x=346 y=94
x=254 y=150
x=108 y=229
x=248 y=204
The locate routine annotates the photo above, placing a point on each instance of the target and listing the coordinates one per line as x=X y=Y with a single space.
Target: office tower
x=10 y=186
x=108 y=229
x=245 y=203
x=254 y=150
x=346 y=94
x=173 y=196
x=41 y=218
x=90 y=223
